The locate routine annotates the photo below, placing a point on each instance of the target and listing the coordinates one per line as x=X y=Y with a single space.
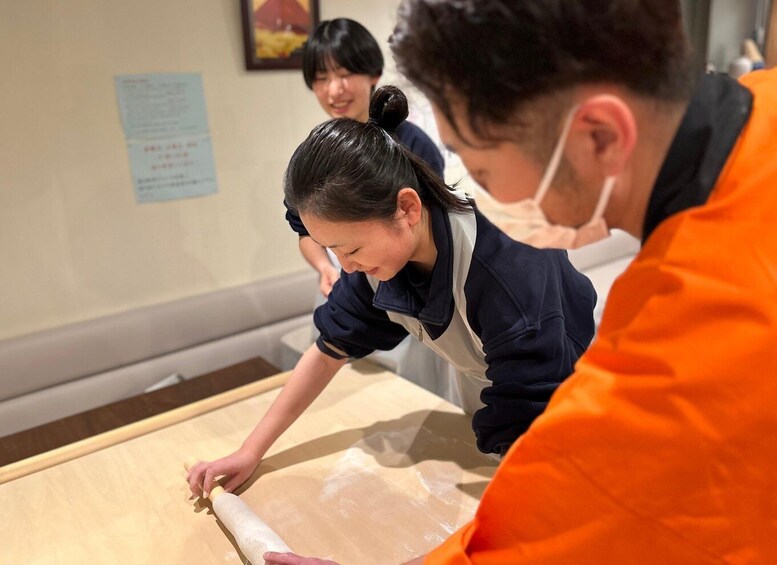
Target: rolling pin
x=253 y=535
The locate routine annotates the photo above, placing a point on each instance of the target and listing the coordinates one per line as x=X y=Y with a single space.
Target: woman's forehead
x=328 y=63
x=337 y=233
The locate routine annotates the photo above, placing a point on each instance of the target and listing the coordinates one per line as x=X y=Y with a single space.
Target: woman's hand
x=236 y=467
x=318 y=258
x=327 y=279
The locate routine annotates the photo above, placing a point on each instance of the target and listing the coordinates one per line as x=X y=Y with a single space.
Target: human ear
x=409 y=206
x=606 y=130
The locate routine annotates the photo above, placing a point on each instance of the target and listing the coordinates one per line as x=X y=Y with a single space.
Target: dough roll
x=252 y=534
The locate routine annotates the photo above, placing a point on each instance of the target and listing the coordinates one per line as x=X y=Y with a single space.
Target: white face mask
x=526 y=222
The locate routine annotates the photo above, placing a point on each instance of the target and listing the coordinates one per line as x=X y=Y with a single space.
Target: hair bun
x=388 y=107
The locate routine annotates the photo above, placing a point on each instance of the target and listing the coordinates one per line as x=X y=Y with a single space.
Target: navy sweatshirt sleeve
x=534 y=316
x=350 y=325
x=295 y=221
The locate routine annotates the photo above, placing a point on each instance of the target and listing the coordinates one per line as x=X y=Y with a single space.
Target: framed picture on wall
x=274 y=32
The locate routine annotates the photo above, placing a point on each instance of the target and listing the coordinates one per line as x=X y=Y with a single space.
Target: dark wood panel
x=55 y=434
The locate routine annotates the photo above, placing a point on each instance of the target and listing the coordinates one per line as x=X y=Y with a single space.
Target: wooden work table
x=378 y=470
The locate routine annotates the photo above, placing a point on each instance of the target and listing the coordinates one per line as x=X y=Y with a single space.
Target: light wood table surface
x=378 y=470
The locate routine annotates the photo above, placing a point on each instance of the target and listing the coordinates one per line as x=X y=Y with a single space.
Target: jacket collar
x=399 y=293
x=717 y=113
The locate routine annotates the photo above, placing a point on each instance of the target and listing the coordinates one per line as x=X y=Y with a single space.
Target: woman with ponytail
x=418 y=259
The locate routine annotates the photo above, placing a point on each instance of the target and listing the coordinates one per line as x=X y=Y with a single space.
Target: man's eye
x=346 y=255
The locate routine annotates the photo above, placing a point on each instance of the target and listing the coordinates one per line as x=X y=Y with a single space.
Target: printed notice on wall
x=168 y=141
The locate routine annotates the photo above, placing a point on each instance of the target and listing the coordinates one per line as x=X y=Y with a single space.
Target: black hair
x=344 y=42
x=499 y=57
x=349 y=171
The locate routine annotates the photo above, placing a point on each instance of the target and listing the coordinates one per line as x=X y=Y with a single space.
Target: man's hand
x=272 y=558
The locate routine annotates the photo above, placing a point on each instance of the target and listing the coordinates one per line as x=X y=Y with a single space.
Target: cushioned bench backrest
x=52 y=357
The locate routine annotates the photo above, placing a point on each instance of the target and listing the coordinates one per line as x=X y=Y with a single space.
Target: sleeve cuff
x=330 y=350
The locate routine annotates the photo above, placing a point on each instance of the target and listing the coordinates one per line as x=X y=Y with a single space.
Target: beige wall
x=74 y=245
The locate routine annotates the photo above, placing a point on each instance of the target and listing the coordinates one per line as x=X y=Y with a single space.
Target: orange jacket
x=662 y=447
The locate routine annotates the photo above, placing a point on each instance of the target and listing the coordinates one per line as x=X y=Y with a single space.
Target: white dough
x=252 y=534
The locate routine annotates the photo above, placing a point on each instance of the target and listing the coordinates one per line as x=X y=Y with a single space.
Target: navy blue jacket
x=415 y=139
x=511 y=318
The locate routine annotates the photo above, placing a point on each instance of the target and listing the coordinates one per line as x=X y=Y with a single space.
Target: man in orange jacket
x=661 y=447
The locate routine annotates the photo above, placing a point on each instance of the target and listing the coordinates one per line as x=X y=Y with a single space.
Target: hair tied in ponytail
x=388 y=108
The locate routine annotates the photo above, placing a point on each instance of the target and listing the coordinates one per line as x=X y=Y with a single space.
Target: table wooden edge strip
x=95 y=443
